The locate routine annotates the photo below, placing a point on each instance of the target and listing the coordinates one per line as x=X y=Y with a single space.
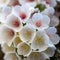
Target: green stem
x=22 y=57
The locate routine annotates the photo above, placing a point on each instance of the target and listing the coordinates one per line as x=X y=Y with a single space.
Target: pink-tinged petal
x=7 y=35
x=14 y=22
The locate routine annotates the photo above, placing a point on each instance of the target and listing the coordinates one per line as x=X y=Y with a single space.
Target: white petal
x=54 y=38
x=30 y=2
x=54 y=21
x=4 y=2
x=51 y=30
x=27 y=33
x=6 y=35
x=24 y=49
x=50 y=51
x=7 y=49
x=6 y=10
x=11 y=56
x=53 y=3
x=58 y=0
x=49 y=11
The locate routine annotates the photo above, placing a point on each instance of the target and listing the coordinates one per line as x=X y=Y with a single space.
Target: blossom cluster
x=27 y=33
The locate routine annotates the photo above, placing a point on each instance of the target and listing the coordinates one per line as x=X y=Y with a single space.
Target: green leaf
x=41 y=7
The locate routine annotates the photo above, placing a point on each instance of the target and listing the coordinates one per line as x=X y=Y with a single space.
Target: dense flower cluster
x=26 y=33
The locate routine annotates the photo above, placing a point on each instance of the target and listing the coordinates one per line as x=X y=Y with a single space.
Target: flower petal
x=50 y=51
x=7 y=49
x=54 y=21
x=22 y=11
x=4 y=2
x=51 y=30
x=30 y=2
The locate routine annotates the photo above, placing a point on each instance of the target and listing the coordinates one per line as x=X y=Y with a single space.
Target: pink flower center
x=16 y=23
x=38 y=23
x=48 y=1
x=23 y=15
x=29 y=0
x=11 y=33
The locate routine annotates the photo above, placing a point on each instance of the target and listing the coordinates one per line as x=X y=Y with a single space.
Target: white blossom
x=27 y=33
x=24 y=49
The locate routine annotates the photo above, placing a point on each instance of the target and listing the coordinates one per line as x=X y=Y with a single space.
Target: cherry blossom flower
x=24 y=49
x=22 y=11
x=7 y=34
x=27 y=33
x=39 y=21
x=41 y=41
x=14 y=22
